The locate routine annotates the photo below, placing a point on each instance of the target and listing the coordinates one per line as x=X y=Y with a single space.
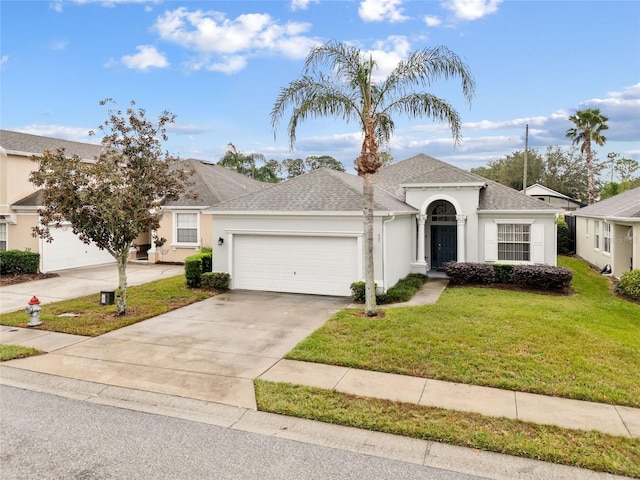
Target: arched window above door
x=442 y=211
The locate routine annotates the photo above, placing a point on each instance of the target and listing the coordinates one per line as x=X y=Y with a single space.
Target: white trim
x=514 y=221
x=175 y=243
x=297 y=233
x=305 y=213
x=547 y=211
x=451 y=186
x=10 y=218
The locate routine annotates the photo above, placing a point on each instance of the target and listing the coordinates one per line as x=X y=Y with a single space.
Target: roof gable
x=214 y=184
x=423 y=169
x=623 y=205
x=25 y=144
x=321 y=190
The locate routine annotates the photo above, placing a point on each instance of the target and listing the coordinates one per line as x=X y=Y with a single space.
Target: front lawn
x=85 y=315
x=583 y=346
x=11 y=352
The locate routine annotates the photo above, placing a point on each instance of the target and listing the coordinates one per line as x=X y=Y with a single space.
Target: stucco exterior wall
x=171 y=251
x=625 y=244
x=399 y=249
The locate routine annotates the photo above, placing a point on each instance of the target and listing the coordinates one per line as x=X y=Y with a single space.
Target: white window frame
x=607 y=238
x=176 y=217
x=596 y=234
x=4 y=236
x=536 y=241
x=520 y=234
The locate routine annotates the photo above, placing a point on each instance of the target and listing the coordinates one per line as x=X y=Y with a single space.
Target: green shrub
x=193 y=270
x=629 y=285
x=563 y=237
x=196 y=265
x=402 y=291
x=503 y=273
x=542 y=277
x=461 y=273
x=216 y=280
x=18 y=262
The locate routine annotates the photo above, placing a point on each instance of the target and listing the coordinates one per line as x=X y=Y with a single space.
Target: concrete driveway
x=211 y=350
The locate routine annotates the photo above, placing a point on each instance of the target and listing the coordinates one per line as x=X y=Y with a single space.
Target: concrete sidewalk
x=541 y=409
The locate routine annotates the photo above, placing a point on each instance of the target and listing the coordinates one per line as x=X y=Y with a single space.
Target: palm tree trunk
x=591 y=188
x=369 y=277
x=121 y=292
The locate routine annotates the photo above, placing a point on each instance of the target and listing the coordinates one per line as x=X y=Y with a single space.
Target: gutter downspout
x=384 y=249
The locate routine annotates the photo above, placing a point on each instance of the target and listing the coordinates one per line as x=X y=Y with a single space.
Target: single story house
x=553 y=198
x=305 y=235
x=608 y=232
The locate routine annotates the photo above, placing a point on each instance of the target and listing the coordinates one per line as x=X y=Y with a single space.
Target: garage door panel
x=299 y=264
x=68 y=251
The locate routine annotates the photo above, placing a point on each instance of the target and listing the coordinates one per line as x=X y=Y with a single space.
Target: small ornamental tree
x=117 y=196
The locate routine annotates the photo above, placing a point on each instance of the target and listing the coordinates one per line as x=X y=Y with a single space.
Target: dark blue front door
x=444 y=245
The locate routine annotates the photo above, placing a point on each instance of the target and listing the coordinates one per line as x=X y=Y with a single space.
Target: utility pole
x=526 y=148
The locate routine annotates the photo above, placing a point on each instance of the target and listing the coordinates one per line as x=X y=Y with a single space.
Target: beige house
x=183 y=227
x=608 y=232
x=19 y=202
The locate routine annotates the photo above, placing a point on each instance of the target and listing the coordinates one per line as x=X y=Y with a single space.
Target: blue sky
x=219 y=65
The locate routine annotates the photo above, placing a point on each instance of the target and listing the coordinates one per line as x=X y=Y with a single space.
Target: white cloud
x=432 y=21
x=211 y=34
x=3 y=60
x=76 y=134
x=302 y=4
x=59 y=45
x=147 y=57
x=379 y=10
x=472 y=9
x=388 y=53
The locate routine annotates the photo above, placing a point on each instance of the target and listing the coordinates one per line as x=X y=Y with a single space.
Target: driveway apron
x=211 y=350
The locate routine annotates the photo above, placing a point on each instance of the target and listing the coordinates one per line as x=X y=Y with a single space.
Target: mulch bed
x=29 y=277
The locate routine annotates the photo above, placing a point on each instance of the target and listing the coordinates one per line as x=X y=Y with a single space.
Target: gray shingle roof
x=214 y=184
x=322 y=190
x=623 y=205
x=423 y=169
x=18 y=143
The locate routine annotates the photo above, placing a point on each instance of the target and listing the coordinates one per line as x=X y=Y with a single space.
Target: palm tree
x=589 y=125
x=349 y=91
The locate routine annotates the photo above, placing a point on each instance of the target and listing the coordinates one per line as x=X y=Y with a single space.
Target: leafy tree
x=610 y=189
x=626 y=168
x=118 y=196
x=565 y=172
x=386 y=158
x=348 y=91
x=293 y=167
x=589 y=125
x=234 y=159
x=314 y=162
x=509 y=170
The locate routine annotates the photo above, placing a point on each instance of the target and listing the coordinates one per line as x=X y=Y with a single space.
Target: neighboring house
x=183 y=227
x=19 y=201
x=553 y=198
x=608 y=232
x=305 y=235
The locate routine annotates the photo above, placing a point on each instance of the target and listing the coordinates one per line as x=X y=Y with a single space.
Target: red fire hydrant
x=33 y=309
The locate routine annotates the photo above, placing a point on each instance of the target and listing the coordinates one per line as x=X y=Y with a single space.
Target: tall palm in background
x=349 y=91
x=589 y=125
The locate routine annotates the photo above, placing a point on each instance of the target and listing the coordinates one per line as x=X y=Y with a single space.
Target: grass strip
x=591 y=450
x=583 y=346
x=11 y=352
x=92 y=319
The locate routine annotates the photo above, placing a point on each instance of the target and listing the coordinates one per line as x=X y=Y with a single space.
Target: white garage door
x=67 y=251
x=297 y=264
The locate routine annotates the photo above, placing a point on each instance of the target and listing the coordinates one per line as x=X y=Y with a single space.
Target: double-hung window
x=596 y=234
x=186 y=228
x=514 y=242
x=607 y=237
x=3 y=236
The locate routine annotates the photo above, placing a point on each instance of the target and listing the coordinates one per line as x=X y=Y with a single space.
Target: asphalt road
x=44 y=436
